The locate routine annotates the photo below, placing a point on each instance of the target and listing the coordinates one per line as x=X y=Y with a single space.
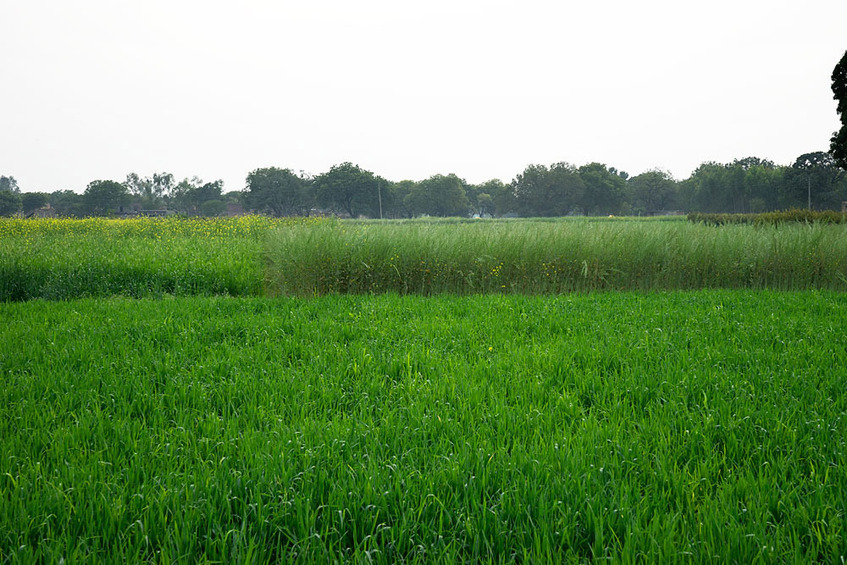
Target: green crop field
x=435 y=422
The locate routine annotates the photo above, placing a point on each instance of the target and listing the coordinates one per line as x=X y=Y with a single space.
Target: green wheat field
x=270 y=391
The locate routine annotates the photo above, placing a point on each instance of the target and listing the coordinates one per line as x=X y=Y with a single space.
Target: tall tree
x=762 y=181
x=279 y=192
x=189 y=195
x=548 y=191
x=9 y=184
x=395 y=205
x=483 y=197
x=838 y=143
x=439 y=195
x=349 y=188
x=10 y=203
x=815 y=181
x=104 y=197
x=67 y=203
x=150 y=191
x=745 y=185
x=604 y=189
x=199 y=195
x=32 y=201
x=653 y=192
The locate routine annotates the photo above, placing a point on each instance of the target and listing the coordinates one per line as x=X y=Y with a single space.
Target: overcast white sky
x=96 y=89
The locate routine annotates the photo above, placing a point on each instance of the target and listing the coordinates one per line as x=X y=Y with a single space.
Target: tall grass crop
x=62 y=259
x=551 y=257
x=700 y=426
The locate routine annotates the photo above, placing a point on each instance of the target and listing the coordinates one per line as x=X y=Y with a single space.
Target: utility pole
x=379 y=194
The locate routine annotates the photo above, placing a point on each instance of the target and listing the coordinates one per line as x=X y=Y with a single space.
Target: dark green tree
x=279 y=192
x=10 y=203
x=104 y=197
x=762 y=184
x=189 y=195
x=395 y=205
x=814 y=181
x=483 y=196
x=32 y=201
x=9 y=184
x=347 y=188
x=653 y=192
x=212 y=208
x=605 y=189
x=838 y=143
x=67 y=203
x=439 y=195
x=548 y=191
x=150 y=192
x=745 y=185
x=177 y=199
x=199 y=195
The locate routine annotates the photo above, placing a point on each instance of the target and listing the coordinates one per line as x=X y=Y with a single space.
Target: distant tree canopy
x=8 y=184
x=438 y=195
x=278 y=192
x=814 y=179
x=653 y=192
x=10 y=203
x=557 y=190
x=104 y=197
x=349 y=189
x=32 y=201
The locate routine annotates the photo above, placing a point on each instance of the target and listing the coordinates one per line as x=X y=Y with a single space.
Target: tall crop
x=551 y=257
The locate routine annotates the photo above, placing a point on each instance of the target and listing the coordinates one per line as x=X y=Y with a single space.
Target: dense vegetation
x=695 y=426
x=61 y=258
x=251 y=256
x=772 y=218
x=515 y=423
x=552 y=257
x=750 y=185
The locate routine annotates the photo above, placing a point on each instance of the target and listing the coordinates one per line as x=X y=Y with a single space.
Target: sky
x=98 y=89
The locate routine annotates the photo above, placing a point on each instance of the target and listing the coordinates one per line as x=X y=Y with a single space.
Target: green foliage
x=279 y=192
x=9 y=184
x=104 y=198
x=10 y=203
x=67 y=203
x=743 y=186
x=550 y=257
x=32 y=201
x=796 y=215
x=605 y=189
x=484 y=197
x=150 y=192
x=64 y=259
x=212 y=208
x=653 y=192
x=543 y=191
x=438 y=195
x=349 y=189
x=657 y=428
x=814 y=181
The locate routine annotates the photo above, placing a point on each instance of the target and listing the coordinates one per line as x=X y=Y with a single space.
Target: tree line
x=750 y=185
